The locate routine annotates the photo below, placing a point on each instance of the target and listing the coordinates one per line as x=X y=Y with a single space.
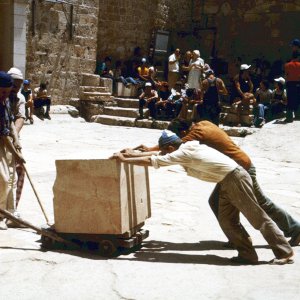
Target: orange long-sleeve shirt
x=211 y=135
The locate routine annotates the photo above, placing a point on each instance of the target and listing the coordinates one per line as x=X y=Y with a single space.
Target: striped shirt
x=5 y=118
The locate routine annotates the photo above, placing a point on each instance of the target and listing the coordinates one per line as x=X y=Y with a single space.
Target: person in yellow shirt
x=143 y=71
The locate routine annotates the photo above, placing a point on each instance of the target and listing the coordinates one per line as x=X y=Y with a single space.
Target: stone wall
x=55 y=57
x=249 y=29
x=125 y=24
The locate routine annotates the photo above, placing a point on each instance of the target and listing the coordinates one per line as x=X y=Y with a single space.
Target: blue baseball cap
x=5 y=80
x=27 y=82
x=295 y=42
x=167 y=137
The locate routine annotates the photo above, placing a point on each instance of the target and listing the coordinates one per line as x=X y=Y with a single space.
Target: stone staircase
x=94 y=93
x=96 y=104
x=125 y=113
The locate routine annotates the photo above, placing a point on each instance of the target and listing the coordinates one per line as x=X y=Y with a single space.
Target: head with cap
x=295 y=44
x=17 y=77
x=210 y=74
x=144 y=60
x=196 y=54
x=245 y=67
x=168 y=142
x=279 y=83
x=148 y=86
x=6 y=83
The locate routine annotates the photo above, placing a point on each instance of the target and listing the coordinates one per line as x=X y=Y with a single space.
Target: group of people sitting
x=193 y=86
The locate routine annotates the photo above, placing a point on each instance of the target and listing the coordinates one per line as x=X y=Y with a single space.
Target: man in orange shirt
x=292 y=72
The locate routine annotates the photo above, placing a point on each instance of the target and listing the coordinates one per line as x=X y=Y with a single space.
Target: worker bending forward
x=235 y=193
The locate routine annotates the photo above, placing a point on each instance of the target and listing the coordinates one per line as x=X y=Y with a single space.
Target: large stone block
x=130 y=91
x=90 y=79
x=100 y=196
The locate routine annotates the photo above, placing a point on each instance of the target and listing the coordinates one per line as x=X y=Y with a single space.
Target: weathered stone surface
x=100 y=196
x=239 y=131
x=108 y=83
x=95 y=96
x=122 y=112
x=115 y=120
x=99 y=89
x=55 y=57
x=90 y=80
x=75 y=102
x=64 y=109
x=144 y=123
x=130 y=91
x=127 y=102
x=160 y=124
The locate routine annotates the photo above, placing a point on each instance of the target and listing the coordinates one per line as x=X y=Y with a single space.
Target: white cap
x=144 y=60
x=245 y=67
x=15 y=73
x=148 y=84
x=280 y=79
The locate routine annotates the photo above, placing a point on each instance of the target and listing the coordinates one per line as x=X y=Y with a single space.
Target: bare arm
x=221 y=87
x=19 y=124
x=144 y=161
x=144 y=148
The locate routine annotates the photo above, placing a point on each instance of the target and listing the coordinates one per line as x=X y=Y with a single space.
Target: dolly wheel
x=107 y=248
x=47 y=242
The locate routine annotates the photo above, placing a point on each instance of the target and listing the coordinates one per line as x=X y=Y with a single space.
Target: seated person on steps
x=40 y=99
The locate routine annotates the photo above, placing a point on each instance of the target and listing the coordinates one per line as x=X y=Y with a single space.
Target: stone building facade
x=58 y=40
x=61 y=45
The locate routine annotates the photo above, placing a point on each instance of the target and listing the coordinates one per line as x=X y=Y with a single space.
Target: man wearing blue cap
x=235 y=193
x=9 y=143
x=27 y=93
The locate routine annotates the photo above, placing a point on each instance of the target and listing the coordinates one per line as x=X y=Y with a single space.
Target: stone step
x=96 y=96
x=90 y=79
x=123 y=112
x=127 y=102
x=108 y=83
x=145 y=123
x=99 y=89
x=114 y=120
x=130 y=122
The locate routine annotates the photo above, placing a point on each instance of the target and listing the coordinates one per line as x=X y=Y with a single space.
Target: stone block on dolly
x=100 y=196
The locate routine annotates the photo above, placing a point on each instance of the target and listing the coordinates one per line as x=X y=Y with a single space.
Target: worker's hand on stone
x=142 y=148
x=127 y=152
x=118 y=155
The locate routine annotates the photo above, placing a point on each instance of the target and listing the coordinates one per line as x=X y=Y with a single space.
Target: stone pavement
x=183 y=258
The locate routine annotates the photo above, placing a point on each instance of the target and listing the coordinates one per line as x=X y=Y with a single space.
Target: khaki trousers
x=7 y=179
x=235 y=196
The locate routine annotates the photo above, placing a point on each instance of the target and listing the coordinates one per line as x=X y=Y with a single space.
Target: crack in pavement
x=114 y=283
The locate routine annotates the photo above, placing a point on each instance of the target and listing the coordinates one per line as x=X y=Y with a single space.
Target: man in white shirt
x=173 y=68
x=235 y=193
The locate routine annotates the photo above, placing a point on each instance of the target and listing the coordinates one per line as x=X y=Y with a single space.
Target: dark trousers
x=151 y=106
x=293 y=98
x=38 y=103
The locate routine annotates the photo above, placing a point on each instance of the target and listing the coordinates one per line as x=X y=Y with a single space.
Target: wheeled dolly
x=104 y=244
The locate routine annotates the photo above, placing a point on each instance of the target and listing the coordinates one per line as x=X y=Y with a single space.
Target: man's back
x=211 y=135
x=199 y=161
